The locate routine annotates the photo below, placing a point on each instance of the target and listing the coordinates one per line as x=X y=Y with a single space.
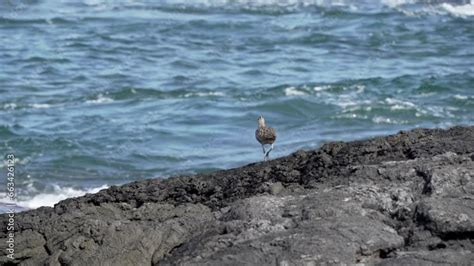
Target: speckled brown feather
x=265 y=135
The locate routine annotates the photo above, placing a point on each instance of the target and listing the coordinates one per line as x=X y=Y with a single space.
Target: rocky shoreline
x=403 y=199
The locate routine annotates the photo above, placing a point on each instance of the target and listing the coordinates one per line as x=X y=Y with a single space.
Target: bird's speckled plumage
x=265 y=135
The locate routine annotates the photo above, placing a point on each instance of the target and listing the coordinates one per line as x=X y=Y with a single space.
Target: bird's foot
x=267 y=154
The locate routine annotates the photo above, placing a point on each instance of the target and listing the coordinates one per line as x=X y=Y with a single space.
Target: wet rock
x=276 y=188
x=405 y=199
x=429 y=258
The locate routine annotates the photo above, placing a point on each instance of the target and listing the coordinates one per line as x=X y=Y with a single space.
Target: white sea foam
x=429 y=8
x=352 y=116
x=93 y=2
x=40 y=105
x=396 y=3
x=12 y=106
x=349 y=101
x=100 y=99
x=321 y=88
x=9 y=106
x=396 y=104
x=459 y=10
x=261 y=2
x=387 y=120
x=203 y=94
x=292 y=91
x=460 y=97
x=251 y=4
x=18 y=161
x=379 y=119
x=439 y=111
x=50 y=198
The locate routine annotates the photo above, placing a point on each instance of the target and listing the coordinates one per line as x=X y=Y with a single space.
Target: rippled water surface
x=95 y=93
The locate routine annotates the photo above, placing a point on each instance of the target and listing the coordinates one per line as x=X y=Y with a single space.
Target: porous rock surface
x=405 y=199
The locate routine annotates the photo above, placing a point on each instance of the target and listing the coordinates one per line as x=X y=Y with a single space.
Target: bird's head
x=261 y=121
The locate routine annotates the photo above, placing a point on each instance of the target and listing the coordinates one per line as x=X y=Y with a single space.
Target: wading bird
x=265 y=135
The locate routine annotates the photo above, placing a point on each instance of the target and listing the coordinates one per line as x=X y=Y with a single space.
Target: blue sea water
x=95 y=93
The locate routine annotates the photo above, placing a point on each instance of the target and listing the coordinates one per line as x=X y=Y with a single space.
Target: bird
x=265 y=135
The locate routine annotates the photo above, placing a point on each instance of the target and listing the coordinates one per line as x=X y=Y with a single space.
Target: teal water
x=95 y=93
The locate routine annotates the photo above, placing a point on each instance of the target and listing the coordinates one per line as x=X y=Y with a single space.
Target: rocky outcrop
x=399 y=200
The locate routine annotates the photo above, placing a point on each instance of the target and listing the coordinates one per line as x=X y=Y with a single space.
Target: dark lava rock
x=406 y=199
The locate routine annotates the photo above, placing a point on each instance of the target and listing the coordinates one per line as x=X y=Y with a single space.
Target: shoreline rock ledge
x=404 y=199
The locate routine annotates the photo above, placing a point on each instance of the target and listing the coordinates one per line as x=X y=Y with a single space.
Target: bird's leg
x=268 y=152
x=264 y=152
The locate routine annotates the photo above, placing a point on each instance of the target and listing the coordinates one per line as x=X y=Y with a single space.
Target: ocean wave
x=342 y=95
x=100 y=99
x=18 y=161
x=455 y=7
x=10 y=106
x=40 y=105
x=56 y=194
x=284 y=3
x=204 y=94
x=128 y=93
x=14 y=106
x=14 y=20
x=397 y=3
x=387 y=120
x=459 y=10
x=292 y=91
x=349 y=97
x=410 y=7
x=396 y=104
x=462 y=97
x=321 y=88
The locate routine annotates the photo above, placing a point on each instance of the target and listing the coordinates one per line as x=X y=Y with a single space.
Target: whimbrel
x=265 y=135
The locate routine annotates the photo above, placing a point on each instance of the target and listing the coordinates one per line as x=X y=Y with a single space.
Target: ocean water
x=95 y=93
